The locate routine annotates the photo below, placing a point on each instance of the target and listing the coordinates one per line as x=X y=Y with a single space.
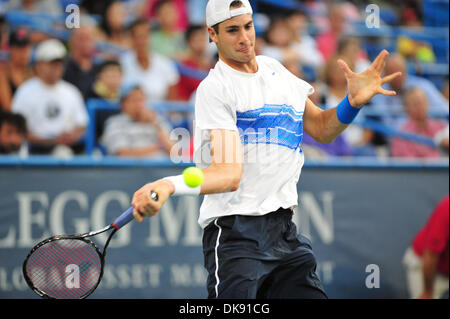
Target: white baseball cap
x=219 y=10
x=50 y=50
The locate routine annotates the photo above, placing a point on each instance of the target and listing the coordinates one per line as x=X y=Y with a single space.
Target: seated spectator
x=181 y=8
x=327 y=42
x=17 y=70
x=80 y=69
x=442 y=139
x=156 y=74
x=167 y=40
x=350 y=48
x=426 y=260
x=113 y=24
x=394 y=104
x=108 y=82
x=333 y=92
x=194 y=57
x=412 y=49
x=106 y=87
x=365 y=142
x=54 y=109
x=137 y=131
x=335 y=88
x=418 y=122
x=278 y=43
x=305 y=45
x=13 y=131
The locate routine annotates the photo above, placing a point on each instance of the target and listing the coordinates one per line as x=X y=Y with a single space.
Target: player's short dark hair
x=236 y=4
x=14 y=119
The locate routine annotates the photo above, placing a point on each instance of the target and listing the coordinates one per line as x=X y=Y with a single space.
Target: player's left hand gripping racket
x=70 y=266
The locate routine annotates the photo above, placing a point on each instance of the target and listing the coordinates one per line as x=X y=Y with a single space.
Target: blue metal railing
x=389 y=131
x=93 y=107
x=112 y=161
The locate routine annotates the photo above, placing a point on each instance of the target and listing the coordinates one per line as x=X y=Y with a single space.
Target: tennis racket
x=70 y=266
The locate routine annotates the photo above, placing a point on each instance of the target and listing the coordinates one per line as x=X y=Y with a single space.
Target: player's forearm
x=221 y=178
x=331 y=127
x=325 y=126
x=224 y=174
x=322 y=125
x=430 y=261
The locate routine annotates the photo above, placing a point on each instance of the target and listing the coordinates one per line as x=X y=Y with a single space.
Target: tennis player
x=246 y=106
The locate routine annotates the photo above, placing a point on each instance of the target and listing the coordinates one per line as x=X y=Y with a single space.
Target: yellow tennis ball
x=193 y=176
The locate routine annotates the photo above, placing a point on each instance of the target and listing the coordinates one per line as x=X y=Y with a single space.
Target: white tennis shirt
x=266 y=108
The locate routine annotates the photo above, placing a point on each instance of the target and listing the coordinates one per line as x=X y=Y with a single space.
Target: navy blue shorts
x=259 y=257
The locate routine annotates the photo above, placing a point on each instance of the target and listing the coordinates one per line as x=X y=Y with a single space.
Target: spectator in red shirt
x=183 y=19
x=196 y=58
x=426 y=261
x=416 y=106
x=327 y=42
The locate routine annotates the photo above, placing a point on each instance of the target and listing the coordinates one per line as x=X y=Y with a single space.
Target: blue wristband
x=345 y=112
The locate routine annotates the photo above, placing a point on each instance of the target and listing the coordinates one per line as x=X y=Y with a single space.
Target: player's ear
x=212 y=35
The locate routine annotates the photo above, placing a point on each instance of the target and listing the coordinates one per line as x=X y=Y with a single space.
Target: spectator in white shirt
x=155 y=73
x=301 y=41
x=54 y=109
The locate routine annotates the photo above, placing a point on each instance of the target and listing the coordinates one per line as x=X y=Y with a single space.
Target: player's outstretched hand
x=144 y=205
x=365 y=85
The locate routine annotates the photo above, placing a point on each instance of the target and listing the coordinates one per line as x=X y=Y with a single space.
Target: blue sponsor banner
x=360 y=220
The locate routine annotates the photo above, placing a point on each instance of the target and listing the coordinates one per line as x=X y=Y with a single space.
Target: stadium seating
x=99 y=110
x=373 y=40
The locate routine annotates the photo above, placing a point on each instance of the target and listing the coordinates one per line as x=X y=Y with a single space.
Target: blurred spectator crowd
x=135 y=54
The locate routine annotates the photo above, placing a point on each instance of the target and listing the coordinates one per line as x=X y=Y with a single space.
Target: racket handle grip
x=124 y=218
x=127 y=216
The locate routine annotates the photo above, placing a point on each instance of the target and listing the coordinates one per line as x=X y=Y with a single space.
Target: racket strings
x=65 y=268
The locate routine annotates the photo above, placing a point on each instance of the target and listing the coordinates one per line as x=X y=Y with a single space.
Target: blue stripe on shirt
x=271 y=124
